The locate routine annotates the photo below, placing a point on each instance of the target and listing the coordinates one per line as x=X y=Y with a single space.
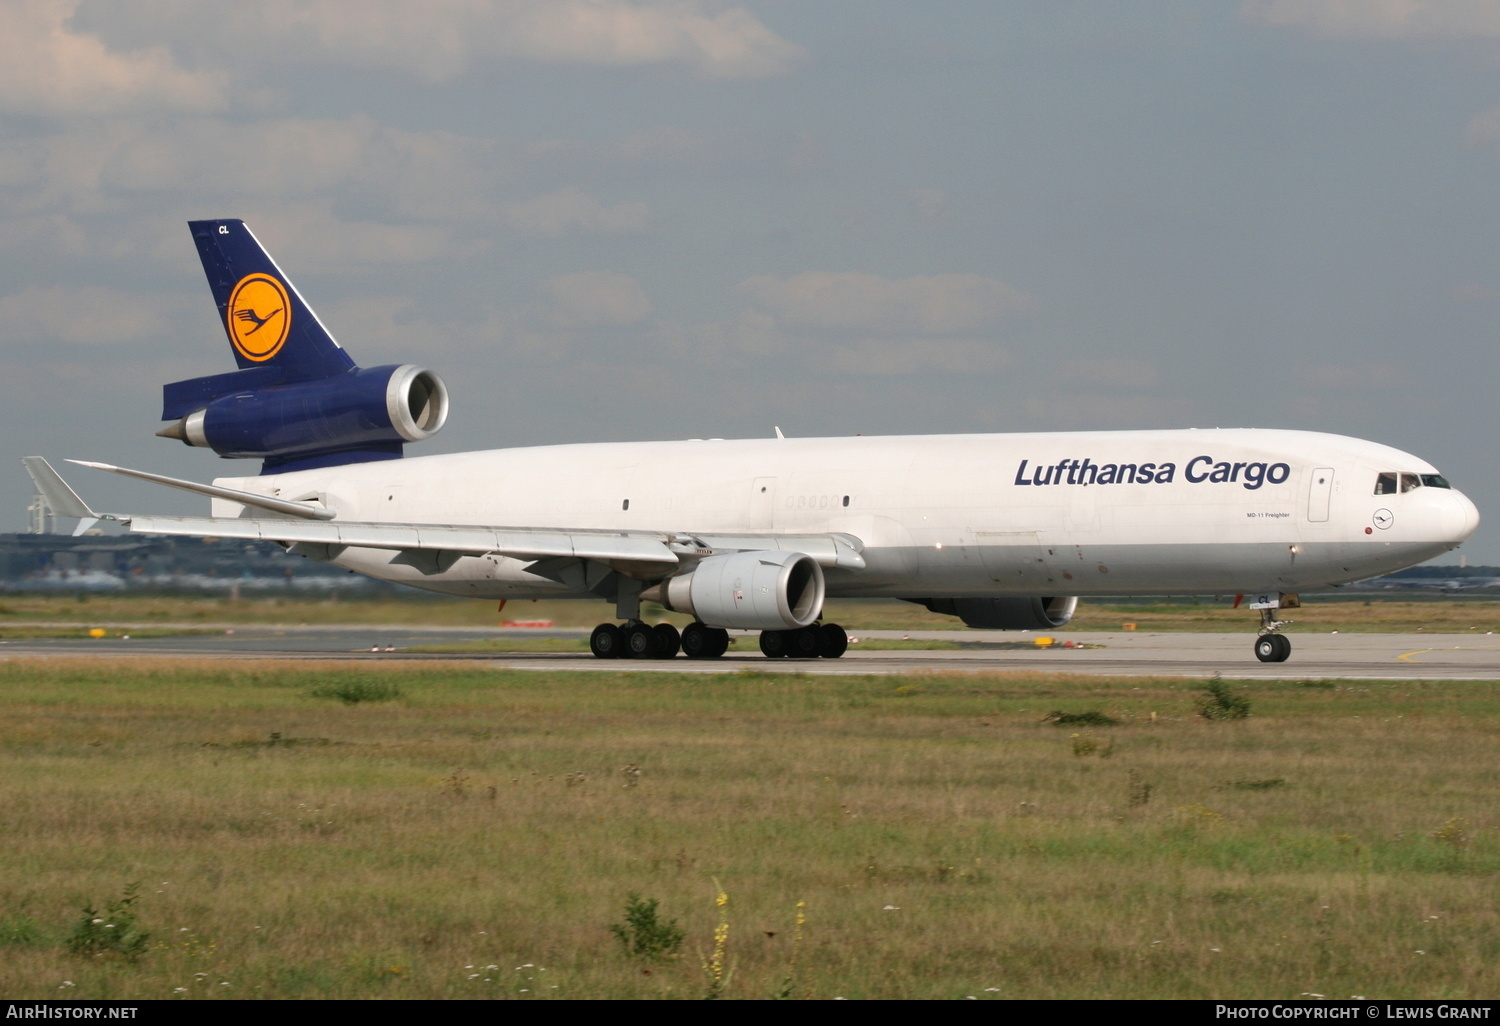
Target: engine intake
x=748 y=591
x=1006 y=614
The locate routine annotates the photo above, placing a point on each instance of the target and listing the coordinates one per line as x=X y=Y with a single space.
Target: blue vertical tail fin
x=265 y=318
x=297 y=401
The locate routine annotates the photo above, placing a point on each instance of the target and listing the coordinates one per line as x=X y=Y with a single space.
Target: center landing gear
x=826 y=640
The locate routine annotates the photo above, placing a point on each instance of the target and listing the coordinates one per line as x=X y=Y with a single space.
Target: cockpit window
x=1390 y=483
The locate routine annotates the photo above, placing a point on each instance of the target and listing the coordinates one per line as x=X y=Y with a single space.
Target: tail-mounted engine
x=360 y=415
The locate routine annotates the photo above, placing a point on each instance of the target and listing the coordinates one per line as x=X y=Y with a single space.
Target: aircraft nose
x=1461 y=518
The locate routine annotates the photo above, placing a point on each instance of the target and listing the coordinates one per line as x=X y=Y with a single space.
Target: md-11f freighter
x=1001 y=531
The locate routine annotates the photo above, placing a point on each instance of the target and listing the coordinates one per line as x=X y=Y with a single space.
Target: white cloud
x=1483 y=129
x=410 y=178
x=938 y=304
x=1472 y=292
x=1347 y=377
x=593 y=299
x=84 y=315
x=932 y=207
x=572 y=211
x=48 y=68
x=903 y=356
x=311 y=237
x=727 y=152
x=1085 y=411
x=440 y=40
x=433 y=173
x=1380 y=19
x=1108 y=372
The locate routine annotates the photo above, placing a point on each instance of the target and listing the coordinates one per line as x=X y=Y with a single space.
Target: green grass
x=475 y=833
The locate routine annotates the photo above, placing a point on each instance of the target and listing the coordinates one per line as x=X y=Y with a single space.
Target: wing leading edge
x=433 y=548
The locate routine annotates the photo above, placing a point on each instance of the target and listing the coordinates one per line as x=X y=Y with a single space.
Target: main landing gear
x=821 y=640
x=637 y=640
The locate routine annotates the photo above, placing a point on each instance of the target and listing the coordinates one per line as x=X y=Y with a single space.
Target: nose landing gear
x=1273 y=648
x=1270 y=646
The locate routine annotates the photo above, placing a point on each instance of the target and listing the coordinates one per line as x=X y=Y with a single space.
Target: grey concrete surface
x=1136 y=654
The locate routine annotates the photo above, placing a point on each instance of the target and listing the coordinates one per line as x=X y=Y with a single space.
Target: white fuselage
x=1085 y=513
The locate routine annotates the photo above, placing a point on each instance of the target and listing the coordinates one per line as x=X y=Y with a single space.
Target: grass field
x=317 y=830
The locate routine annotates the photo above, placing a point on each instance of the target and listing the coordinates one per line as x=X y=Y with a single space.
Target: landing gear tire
x=1273 y=648
x=832 y=641
x=606 y=642
x=668 y=641
x=806 y=643
x=774 y=644
x=640 y=641
x=700 y=641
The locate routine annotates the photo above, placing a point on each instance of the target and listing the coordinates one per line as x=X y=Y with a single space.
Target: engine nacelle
x=749 y=591
x=374 y=409
x=1007 y=614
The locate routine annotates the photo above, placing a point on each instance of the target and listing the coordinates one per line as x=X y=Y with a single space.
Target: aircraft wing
x=433 y=548
x=557 y=553
x=444 y=544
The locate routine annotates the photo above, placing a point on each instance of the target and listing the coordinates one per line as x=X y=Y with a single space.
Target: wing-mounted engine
x=362 y=414
x=1006 y=614
x=763 y=590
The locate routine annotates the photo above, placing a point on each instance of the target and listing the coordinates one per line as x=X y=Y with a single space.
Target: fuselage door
x=1319 y=494
x=762 y=504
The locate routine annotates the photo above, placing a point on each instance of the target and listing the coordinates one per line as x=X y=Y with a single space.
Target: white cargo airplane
x=1002 y=531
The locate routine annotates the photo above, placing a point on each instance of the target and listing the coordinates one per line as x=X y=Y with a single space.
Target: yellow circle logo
x=259 y=317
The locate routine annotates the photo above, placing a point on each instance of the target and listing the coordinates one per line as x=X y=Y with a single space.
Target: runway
x=1124 y=654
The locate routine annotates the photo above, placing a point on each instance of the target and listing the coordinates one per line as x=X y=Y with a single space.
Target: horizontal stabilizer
x=181 y=398
x=62 y=500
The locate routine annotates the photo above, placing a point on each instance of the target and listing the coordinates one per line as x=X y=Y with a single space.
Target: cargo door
x=1319 y=495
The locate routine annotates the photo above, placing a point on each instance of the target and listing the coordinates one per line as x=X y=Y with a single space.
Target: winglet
x=62 y=500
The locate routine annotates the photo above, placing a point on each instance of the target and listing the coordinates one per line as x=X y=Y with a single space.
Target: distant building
x=117 y=562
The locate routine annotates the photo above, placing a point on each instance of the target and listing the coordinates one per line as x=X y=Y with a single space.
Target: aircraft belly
x=1152 y=569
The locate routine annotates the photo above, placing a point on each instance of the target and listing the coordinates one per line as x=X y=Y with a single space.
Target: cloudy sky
x=626 y=219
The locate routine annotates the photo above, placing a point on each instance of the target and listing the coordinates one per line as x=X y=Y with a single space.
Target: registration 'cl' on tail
x=297 y=401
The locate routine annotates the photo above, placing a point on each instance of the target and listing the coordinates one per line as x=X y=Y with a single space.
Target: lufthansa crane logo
x=259 y=317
